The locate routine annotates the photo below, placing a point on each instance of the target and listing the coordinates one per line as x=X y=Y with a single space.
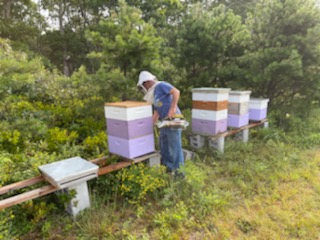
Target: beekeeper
x=164 y=98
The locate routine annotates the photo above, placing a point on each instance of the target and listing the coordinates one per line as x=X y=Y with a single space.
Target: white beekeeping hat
x=143 y=77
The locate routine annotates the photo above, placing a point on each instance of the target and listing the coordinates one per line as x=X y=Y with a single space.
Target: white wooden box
x=127 y=110
x=209 y=115
x=238 y=108
x=258 y=103
x=210 y=94
x=239 y=96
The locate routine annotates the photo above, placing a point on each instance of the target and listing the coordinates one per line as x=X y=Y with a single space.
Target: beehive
x=209 y=110
x=238 y=108
x=258 y=108
x=129 y=128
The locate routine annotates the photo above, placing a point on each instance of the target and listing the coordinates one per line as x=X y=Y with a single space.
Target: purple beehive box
x=258 y=108
x=257 y=114
x=131 y=148
x=130 y=129
x=238 y=121
x=207 y=127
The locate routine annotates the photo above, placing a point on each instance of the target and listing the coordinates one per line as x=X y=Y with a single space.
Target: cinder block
x=243 y=135
x=217 y=143
x=265 y=124
x=80 y=201
x=197 y=141
x=188 y=154
x=155 y=160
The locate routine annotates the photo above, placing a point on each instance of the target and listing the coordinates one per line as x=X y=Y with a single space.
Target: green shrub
x=96 y=145
x=58 y=137
x=6 y=217
x=140 y=180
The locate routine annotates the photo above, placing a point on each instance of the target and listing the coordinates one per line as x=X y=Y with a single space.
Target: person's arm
x=175 y=98
x=155 y=117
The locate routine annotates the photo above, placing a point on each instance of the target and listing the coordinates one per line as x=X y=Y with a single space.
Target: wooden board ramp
x=39 y=192
x=233 y=131
x=198 y=140
x=21 y=184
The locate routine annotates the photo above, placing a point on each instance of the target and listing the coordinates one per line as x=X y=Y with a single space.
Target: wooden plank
x=114 y=167
x=206 y=105
x=39 y=192
x=97 y=161
x=127 y=104
x=144 y=157
x=125 y=163
x=236 y=130
x=21 y=184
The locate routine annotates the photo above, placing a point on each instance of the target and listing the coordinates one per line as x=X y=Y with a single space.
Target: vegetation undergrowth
x=265 y=189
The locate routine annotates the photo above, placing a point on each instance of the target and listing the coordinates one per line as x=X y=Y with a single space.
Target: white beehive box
x=209 y=115
x=239 y=96
x=210 y=94
x=127 y=110
x=258 y=103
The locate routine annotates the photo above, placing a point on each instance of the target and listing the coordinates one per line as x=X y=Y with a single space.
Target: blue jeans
x=171 y=148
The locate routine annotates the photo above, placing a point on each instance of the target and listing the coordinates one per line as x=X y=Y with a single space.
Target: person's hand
x=171 y=112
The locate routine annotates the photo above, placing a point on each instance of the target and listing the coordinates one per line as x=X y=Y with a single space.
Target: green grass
x=262 y=190
x=268 y=188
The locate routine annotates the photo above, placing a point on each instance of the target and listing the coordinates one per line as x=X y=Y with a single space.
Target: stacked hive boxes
x=209 y=110
x=258 y=108
x=238 y=108
x=129 y=128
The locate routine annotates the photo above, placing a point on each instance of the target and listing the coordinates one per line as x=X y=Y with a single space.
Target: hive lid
x=259 y=100
x=211 y=90
x=127 y=104
x=69 y=171
x=240 y=92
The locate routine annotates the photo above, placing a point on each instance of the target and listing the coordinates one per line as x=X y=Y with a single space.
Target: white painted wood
x=69 y=171
x=210 y=94
x=128 y=114
x=239 y=96
x=258 y=103
x=209 y=115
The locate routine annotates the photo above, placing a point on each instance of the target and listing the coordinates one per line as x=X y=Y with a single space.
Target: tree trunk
x=62 y=10
x=6 y=10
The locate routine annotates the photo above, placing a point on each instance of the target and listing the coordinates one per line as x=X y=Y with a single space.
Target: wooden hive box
x=238 y=108
x=129 y=128
x=258 y=108
x=209 y=110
